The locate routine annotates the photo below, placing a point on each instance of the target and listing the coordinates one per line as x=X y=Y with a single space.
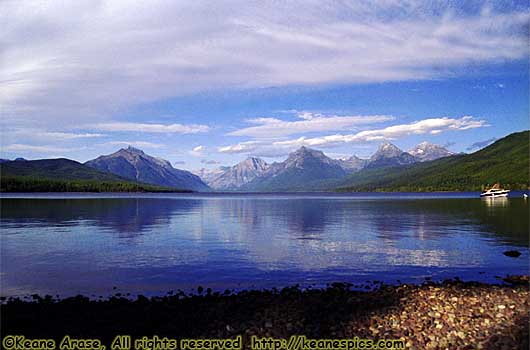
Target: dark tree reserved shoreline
x=29 y=184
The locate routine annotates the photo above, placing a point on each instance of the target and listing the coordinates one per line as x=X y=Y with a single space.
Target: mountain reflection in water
x=155 y=243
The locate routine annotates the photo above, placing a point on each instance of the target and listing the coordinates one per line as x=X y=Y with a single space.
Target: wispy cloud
x=197 y=151
x=65 y=135
x=77 y=59
x=41 y=135
x=22 y=148
x=431 y=126
x=149 y=128
x=481 y=144
x=138 y=144
x=310 y=122
x=210 y=162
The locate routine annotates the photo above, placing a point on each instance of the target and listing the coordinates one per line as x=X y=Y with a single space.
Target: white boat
x=495 y=192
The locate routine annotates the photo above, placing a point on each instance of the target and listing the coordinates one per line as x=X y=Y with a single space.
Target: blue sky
x=208 y=85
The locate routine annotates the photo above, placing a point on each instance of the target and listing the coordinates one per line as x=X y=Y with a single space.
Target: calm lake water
x=151 y=244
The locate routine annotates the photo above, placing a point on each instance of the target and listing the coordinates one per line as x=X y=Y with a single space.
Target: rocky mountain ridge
x=134 y=164
x=306 y=164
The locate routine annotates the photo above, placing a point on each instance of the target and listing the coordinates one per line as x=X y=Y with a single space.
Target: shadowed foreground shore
x=449 y=315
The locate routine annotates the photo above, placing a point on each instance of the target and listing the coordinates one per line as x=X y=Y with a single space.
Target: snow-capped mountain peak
x=231 y=178
x=389 y=154
x=387 y=150
x=426 y=151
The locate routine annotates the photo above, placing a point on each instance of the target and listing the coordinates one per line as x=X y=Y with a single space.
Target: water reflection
x=78 y=244
x=121 y=215
x=501 y=202
x=302 y=218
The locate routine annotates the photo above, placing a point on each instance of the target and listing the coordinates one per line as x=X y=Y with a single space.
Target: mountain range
x=426 y=151
x=426 y=167
x=390 y=155
x=353 y=163
x=232 y=178
x=506 y=161
x=310 y=169
x=133 y=164
x=64 y=175
x=299 y=171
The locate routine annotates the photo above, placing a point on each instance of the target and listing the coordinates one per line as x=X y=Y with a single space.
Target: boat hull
x=495 y=195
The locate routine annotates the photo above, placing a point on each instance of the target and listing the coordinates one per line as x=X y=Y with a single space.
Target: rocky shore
x=448 y=315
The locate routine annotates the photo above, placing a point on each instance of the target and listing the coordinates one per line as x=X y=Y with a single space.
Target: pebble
x=448 y=315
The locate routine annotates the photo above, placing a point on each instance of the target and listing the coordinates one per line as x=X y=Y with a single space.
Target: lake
x=99 y=244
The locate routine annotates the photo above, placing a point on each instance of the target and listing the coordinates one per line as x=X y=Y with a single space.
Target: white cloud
x=66 y=135
x=197 y=151
x=149 y=128
x=258 y=148
x=84 y=58
x=425 y=126
x=243 y=147
x=311 y=122
x=41 y=135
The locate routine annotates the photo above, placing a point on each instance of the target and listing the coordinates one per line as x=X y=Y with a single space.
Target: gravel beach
x=448 y=315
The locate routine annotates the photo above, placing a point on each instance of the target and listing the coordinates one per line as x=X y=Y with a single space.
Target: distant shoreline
x=338 y=193
x=74 y=192
x=28 y=184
